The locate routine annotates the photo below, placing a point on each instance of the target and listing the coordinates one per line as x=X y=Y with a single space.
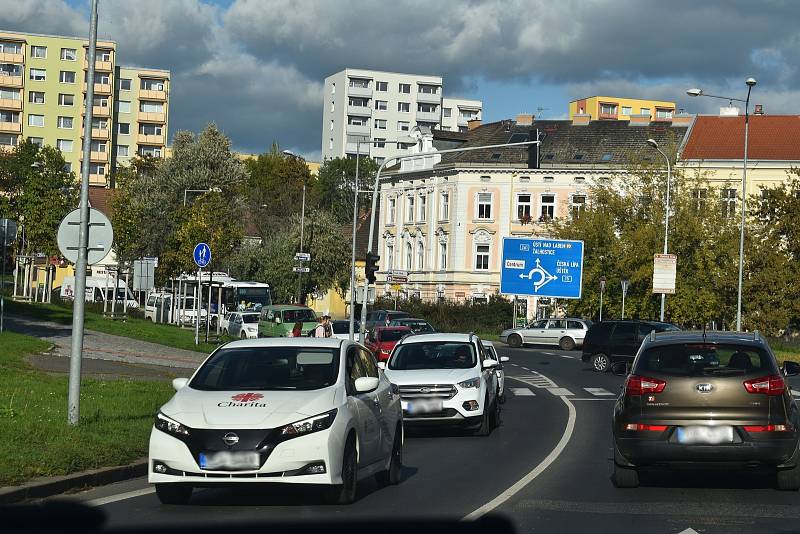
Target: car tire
x=566 y=343
x=244 y=335
x=515 y=341
x=601 y=363
x=625 y=477
x=175 y=493
x=224 y=331
x=789 y=479
x=345 y=493
x=488 y=420
x=502 y=398
x=391 y=477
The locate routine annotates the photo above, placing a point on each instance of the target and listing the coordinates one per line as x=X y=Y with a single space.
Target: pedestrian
x=297 y=330
x=319 y=330
x=328 y=326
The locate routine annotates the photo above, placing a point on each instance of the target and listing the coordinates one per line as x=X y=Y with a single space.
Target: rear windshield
x=704 y=359
x=433 y=355
x=392 y=335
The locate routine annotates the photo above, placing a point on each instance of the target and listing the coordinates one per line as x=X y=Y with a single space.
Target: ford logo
x=424 y=390
x=704 y=388
x=230 y=439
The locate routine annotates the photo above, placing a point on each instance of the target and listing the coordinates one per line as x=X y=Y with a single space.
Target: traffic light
x=371 y=266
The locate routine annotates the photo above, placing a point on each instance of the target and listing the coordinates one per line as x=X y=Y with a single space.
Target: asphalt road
x=547 y=468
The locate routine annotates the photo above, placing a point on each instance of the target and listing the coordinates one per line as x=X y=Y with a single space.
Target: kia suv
x=706 y=399
x=613 y=341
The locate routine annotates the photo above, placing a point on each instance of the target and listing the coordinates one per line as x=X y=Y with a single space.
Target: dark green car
x=278 y=320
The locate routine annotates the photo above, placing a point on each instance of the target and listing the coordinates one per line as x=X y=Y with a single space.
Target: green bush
x=451 y=316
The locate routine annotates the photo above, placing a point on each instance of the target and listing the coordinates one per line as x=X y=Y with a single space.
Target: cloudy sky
x=255 y=67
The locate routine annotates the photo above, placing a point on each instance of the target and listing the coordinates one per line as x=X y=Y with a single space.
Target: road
x=547 y=468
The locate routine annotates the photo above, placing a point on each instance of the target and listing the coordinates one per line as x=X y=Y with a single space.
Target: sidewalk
x=100 y=346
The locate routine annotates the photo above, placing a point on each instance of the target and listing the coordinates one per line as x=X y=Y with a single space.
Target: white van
x=99 y=289
x=158 y=307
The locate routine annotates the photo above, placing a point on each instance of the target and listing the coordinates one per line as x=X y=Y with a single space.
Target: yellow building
x=42 y=92
x=616 y=108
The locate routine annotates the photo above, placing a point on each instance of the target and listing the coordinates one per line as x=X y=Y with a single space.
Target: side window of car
x=574 y=325
x=623 y=333
x=368 y=363
x=540 y=324
x=557 y=324
x=481 y=353
x=355 y=369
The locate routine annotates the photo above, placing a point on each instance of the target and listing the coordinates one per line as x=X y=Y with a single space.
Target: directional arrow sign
x=542 y=268
x=301 y=269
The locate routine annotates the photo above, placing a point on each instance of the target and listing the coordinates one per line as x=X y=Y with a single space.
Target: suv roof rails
x=756 y=335
x=653 y=334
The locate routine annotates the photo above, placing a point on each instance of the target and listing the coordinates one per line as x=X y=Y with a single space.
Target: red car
x=382 y=340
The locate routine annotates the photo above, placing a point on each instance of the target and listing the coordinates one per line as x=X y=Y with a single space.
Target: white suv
x=446 y=379
x=279 y=410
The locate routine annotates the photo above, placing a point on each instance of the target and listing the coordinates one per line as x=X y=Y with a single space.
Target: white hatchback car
x=240 y=324
x=446 y=379
x=280 y=410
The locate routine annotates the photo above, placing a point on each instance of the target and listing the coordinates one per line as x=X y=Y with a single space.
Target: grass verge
x=116 y=417
x=163 y=334
x=785 y=350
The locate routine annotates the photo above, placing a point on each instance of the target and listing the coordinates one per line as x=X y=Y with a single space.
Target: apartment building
x=42 y=93
x=377 y=106
x=457 y=112
x=616 y=108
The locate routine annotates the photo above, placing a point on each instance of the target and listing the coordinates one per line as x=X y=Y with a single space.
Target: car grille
x=434 y=391
x=447 y=412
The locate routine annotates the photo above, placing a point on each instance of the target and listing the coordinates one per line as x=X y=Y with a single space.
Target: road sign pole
x=197 y=307
x=76 y=353
x=3 y=287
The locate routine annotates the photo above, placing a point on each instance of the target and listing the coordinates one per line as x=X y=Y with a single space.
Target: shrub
x=452 y=316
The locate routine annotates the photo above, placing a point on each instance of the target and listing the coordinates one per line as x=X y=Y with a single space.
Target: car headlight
x=471 y=383
x=170 y=426
x=308 y=426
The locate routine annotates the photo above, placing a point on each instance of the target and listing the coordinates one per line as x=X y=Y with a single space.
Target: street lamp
x=654 y=144
x=750 y=82
x=602 y=288
x=290 y=154
x=625 y=283
x=376 y=187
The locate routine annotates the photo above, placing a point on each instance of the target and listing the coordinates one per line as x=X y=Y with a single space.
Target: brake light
x=769 y=385
x=645 y=428
x=768 y=428
x=639 y=385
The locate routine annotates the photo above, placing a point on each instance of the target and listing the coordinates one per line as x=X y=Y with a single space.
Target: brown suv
x=706 y=399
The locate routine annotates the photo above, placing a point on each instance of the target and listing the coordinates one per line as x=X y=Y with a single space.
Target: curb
x=49 y=486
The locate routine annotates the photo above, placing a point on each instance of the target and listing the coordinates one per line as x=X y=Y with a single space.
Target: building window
x=39 y=51
x=484 y=206
x=482 y=257
x=423 y=207
x=124 y=84
x=151 y=85
x=664 y=114
x=99 y=78
x=10 y=47
x=444 y=211
x=381 y=105
x=331 y=128
x=97 y=168
x=357 y=121
x=123 y=106
x=524 y=207
x=99 y=124
x=378 y=160
x=152 y=151
x=151 y=107
x=608 y=109
x=9 y=140
x=361 y=83
x=38 y=141
x=392 y=209
x=333 y=88
x=358 y=102
x=700 y=196
x=380 y=124
x=13 y=69
x=150 y=129
x=548 y=179
x=11 y=116
x=66 y=100
x=65 y=123
x=446 y=112
x=548 y=208
x=626 y=110
x=9 y=94
x=69 y=54
x=382 y=86
x=122 y=151
x=64 y=145
x=403 y=126
x=404 y=107
x=100 y=101
x=66 y=76
x=429 y=89
x=123 y=128
x=580 y=180
x=379 y=142
x=442 y=255
x=577 y=206
x=728 y=203
x=420 y=256
x=410 y=206
x=38 y=75
x=330 y=144
x=36 y=120
x=103 y=55
x=426 y=108
x=389 y=257
x=405 y=88
x=645 y=111
x=36 y=97
x=409 y=256
x=98 y=146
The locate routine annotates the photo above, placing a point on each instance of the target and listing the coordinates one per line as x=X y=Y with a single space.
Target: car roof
x=311 y=342
x=287 y=307
x=410 y=319
x=422 y=338
x=247 y=312
x=753 y=339
x=398 y=327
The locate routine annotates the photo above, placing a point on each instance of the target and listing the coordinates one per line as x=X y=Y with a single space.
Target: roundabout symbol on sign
x=543 y=277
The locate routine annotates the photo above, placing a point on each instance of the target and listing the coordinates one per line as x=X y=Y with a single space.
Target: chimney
x=759 y=109
x=524 y=120
x=729 y=111
x=533 y=150
x=474 y=123
x=641 y=119
x=581 y=119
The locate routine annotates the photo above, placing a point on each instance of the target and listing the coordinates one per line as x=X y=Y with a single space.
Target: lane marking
x=600 y=392
x=796 y=393
x=595 y=399
x=560 y=392
x=120 y=497
x=538 y=470
x=522 y=392
x=567 y=356
x=525 y=368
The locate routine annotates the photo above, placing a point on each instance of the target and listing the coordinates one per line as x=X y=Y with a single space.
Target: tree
x=335 y=187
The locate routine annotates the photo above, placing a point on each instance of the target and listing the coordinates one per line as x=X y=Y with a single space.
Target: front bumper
x=454 y=412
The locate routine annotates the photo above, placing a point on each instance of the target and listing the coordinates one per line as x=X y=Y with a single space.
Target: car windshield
x=433 y=355
x=304 y=316
x=704 y=359
x=418 y=326
x=250 y=317
x=268 y=368
x=392 y=334
x=343 y=327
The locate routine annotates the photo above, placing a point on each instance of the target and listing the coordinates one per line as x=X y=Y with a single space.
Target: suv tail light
x=640 y=385
x=769 y=385
x=645 y=428
x=768 y=428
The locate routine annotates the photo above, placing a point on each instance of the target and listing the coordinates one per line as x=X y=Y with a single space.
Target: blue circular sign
x=202 y=255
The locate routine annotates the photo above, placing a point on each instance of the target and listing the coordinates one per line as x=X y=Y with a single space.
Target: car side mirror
x=381 y=365
x=489 y=363
x=504 y=359
x=179 y=383
x=620 y=369
x=365 y=384
x=791 y=368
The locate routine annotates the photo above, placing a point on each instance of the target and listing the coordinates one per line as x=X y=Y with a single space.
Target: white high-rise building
x=378 y=106
x=457 y=112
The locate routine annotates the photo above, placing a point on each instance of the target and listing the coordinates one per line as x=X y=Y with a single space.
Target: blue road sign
x=202 y=255
x=542 y=268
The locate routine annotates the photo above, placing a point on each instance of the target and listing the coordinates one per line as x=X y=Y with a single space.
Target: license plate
x=230 y=460
x=705 y=435
x=423 y=406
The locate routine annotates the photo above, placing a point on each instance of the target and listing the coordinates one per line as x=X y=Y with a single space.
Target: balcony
x=104 y=66
x=147 y=94
x=98 y=157
x=352 y=148
x=98 y=179
x=100 y=111
x=361 y=111
x=100 y=88
x=5 y=57
x=425 y=116
x=152 y=117
x=150 y=139
x=11 y=81
x=356 y=129
x=98 y=133
x=10 y=103
x=359 y=91
x=429 y=98
x=608 y=116
x=7 y=148
x=10 y=127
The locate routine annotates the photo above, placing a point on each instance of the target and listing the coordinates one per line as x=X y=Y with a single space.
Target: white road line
x=522 y=392
x=596 y=399
x=526 y=368
x=560 y=392
x=566 y=356
x=599 y=392
x=538 y=470
x=796 y=393
x=120 y=497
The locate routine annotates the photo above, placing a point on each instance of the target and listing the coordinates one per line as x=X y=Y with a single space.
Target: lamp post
x=625 y=283
x=654 y=144
x=290 y=154
x=602 y=288
x=750 y=82
x=376 y=187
